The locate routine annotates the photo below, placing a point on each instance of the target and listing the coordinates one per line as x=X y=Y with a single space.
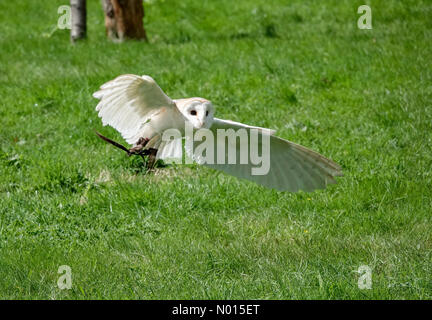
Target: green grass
x=360 y=97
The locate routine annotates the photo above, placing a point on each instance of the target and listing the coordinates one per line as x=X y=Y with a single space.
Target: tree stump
x=124 y=19
x=78 y=19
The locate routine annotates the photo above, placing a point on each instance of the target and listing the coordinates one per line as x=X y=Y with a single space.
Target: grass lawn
x=361 y=97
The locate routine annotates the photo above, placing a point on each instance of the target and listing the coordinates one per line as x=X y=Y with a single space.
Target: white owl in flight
x=139 y=109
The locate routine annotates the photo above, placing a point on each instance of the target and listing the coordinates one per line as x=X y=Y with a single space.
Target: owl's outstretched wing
x=292 y=167
x=128 y=102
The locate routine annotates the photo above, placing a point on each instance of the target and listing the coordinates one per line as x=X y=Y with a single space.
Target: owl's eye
x=193 y=112
x=207 y=113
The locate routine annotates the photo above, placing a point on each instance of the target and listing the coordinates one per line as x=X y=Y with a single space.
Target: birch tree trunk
x=124 y=19
x=79 y=19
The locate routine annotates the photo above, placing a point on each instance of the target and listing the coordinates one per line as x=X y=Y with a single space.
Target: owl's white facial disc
x=199 y=114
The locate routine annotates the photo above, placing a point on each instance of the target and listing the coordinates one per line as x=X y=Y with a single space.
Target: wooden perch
x=79 y=17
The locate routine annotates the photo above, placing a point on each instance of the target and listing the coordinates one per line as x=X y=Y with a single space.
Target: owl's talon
x=140 y=145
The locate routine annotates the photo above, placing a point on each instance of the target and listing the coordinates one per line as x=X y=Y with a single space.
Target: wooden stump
x=78 y=19
x=124 y=19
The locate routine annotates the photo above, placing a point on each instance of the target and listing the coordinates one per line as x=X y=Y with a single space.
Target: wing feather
x=129 y=101
x=292 y=166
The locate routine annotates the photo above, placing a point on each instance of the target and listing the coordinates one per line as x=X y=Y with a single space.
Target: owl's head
x=198 y=111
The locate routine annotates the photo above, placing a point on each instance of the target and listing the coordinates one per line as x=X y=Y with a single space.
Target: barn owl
x=139 y=109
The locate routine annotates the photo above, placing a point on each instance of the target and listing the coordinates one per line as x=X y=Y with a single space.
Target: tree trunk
x=124 y=19
x=79 y=16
